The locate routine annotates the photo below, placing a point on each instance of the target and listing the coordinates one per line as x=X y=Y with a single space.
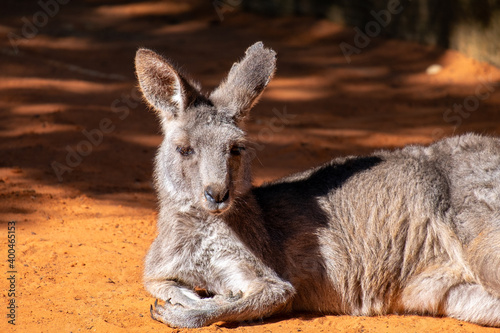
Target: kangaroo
x=408 y=231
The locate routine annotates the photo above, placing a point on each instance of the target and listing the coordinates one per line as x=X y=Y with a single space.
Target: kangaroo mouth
x=217 y=208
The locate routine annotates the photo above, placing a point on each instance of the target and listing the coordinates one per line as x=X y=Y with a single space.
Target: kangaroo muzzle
x=217 y=198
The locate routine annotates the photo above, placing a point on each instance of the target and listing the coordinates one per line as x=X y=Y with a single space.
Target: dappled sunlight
x=376 y=140
x=36 y=129
x=464 y=71
x=72 y=86
x=77 y=142
x=299 y=89
x=321 y=30
x=151 y=141
x=362 y=88
x=360 y=72
x=36 y=109
x=123 y=16
x=188 y=27
x=295 y=94
x=65 y=43
x=146 y=8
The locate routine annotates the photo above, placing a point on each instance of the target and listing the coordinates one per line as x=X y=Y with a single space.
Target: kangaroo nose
x=215 y=196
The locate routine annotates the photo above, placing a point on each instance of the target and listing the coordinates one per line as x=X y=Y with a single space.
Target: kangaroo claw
x=153 y=312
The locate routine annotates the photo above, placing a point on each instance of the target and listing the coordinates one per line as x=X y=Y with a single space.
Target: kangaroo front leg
x=262 y=299
x=172 y=291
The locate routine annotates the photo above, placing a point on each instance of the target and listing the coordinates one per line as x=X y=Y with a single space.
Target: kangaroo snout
x=217 y=197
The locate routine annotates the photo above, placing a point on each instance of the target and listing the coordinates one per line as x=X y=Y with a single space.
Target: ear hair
x=246 y=81
x=167 y=91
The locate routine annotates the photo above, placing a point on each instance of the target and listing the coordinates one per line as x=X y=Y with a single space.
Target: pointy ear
x=246 y=81
x=167 y=91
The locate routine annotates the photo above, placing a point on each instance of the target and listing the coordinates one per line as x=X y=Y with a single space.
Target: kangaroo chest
x=214 y=258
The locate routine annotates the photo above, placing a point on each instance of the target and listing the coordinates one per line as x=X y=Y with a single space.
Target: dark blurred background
x=469 y=26
x=355 y=75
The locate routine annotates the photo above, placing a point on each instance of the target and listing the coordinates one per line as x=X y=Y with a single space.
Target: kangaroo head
x=204 y=160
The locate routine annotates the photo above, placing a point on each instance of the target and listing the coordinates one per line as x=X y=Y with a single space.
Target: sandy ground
x=76 y=145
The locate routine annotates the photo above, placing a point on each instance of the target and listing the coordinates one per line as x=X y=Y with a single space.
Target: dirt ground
x=77 y=145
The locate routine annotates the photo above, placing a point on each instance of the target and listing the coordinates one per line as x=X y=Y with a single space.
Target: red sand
x=80 y=242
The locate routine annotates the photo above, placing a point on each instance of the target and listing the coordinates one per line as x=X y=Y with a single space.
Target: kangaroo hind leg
x=483 y=255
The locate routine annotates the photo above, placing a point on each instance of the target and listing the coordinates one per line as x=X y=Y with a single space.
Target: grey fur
x=415 y=230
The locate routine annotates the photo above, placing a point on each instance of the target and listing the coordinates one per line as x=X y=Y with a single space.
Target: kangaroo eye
x=236 y=150
x=185 y=151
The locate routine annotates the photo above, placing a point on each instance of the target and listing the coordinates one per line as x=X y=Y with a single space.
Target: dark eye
x=185 y=151
x=236 y=150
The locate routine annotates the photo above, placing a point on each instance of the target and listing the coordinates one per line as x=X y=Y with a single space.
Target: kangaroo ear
x=246 y=81
x=163 y=87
